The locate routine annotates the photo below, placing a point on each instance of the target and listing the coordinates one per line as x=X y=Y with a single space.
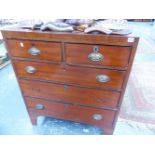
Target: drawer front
x=70 y=112
x=111 y=56
x=35 y=50
x=101 y=78
x=70 y=94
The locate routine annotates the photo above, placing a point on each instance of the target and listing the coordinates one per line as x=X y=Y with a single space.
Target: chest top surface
x=15 y=32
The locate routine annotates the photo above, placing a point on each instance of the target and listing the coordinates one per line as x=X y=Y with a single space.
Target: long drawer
x=70 y=112
x=70 y=94
x=89 y=77
x=98 y=55
x=35 y=50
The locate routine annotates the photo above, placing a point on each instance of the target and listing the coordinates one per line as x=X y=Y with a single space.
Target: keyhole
x=65 y=87
x=96 y=49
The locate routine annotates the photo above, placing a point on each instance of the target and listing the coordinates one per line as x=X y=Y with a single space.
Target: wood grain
x=65 y=80
x=71 y=75
x=70 y=112
x=114 y=56
x=70 y=94
x=16 y=33
x=49 y=51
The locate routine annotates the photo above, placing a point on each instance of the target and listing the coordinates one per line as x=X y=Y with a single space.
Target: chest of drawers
x=72 y=76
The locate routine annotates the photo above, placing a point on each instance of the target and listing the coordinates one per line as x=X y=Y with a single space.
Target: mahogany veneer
x=73 y=76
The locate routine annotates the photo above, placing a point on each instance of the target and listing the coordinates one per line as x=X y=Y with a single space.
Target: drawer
x=35 y=50
x=98 y=55
x=88 y=77
x=70 y=94
x=70 y=112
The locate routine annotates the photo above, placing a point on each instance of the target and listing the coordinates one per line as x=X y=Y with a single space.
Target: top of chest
x=74 y=37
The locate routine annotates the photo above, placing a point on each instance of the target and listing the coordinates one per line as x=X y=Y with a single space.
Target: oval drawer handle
x=97 y=117
x=34 y=51
x=30 y=69
x=95 y=55
x=102 y=78
x=39 y=106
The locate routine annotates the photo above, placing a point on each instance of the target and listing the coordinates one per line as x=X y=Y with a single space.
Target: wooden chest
x=73 y=76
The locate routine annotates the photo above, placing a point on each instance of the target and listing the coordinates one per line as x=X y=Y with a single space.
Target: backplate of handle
x=39 y=106
x=34 y=51
x=102 y=78
x=30 y=69
x=95 y=55
x=97 y=117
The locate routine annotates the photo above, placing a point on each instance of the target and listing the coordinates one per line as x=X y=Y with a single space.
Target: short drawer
x=70 y=112
x=70 y=94
x=35 y=50
x=87 y=77
x=98 y=55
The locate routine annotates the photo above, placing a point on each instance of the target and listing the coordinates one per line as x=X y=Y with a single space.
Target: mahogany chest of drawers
x=72 y=76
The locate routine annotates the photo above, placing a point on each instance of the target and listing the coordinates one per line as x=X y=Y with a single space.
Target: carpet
x=139 y=100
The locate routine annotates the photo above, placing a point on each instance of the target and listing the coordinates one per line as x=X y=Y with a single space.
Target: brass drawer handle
x=39 y=106
x=95 y=55
x=30 y=69
x=102 y=78
x=34 y=51
x=97 y=117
